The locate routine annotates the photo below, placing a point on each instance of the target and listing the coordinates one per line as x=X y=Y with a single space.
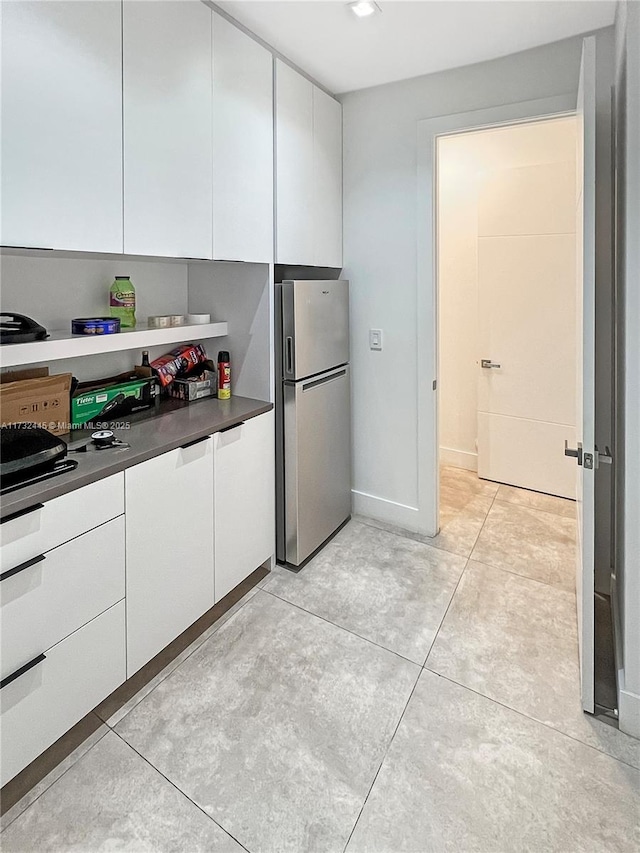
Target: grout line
x=177 y=666
x=475 y=541
x=435 y=637
x=58 y=778
x=537 y=508
x=341 y=627
x=384 y=757
x=525 y=577
x=180 y=791
x=534 y=719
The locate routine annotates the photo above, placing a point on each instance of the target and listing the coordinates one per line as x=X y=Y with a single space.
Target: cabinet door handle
x=26 y=565
x=21 y=512
x=235 y=426
x=194 y=442
x=22 y=670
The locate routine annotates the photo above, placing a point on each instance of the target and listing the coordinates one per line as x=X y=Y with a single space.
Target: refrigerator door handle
x=307 y=386
x=289 y=355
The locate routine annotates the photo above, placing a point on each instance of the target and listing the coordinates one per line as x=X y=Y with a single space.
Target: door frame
x=427 y=275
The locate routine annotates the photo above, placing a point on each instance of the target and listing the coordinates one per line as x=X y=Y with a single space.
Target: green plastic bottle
x=122 y=301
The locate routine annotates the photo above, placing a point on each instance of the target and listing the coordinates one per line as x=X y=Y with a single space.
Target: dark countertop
x=150 y=434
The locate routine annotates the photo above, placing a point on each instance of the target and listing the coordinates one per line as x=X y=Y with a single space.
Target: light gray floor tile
x=460 y=526
x=469 y=481
x=386 y=588
x=531 y=543
x=276 y=726
x=466 y=774
x=39 y=788
x=111 y=799
x=536 y=500
x=515 y=640
x=113 y=719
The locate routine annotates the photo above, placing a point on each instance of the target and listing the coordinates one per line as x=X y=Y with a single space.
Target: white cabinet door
x=167 y=128
x=295 y=242
x=169 y=547
x=327 y=179
x=244 y=500
x=242 y=146
x=62 y=125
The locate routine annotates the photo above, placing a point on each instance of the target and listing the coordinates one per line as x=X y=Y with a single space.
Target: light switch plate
x=375 y=339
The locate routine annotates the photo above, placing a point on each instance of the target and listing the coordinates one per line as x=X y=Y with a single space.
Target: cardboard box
x=195 y=387
x=114 y=398
x=32 y=396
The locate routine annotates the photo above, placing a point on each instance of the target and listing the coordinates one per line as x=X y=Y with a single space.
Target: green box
x=112 y=401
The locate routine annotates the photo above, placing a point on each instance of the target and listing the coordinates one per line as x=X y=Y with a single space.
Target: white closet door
x=62 y=125
x=167 y=128
x=327 y=179
x=295 y=223
x=242 y=146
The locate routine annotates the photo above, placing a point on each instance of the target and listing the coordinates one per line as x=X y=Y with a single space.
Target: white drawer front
x=77 y=674
x=68 y=587
x=60 y=520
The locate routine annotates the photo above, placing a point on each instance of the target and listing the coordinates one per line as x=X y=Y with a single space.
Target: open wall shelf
x=63 y=344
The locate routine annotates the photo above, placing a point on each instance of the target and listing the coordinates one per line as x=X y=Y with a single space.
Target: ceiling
x=406 y=39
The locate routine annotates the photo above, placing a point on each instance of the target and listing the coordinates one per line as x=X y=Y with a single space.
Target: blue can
x=95 y=326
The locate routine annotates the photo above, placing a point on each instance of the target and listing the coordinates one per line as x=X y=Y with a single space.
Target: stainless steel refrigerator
x=313 y=416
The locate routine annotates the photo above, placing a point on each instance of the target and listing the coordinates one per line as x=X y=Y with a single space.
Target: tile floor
x=398 y=694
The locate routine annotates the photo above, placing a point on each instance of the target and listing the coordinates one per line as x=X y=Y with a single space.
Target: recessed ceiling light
x=364 y=8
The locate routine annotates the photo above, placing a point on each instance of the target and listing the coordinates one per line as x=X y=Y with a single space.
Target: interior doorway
x=506 y=226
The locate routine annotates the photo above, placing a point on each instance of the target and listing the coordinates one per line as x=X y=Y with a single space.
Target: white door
x=169 y=547
x=295 y=240
x=168 y=197
x=242 y=146
x=527 y=315
x=327 y=179
x=244 y=501
x=62 y=126
x=585 y=410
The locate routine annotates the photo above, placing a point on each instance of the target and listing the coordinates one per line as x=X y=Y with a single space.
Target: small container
x=176 y=320
x=198 y=319
x=224 y=375
x=95 y=326
x=160 y=321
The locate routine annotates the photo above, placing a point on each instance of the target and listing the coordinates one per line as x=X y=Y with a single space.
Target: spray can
x=224 y=375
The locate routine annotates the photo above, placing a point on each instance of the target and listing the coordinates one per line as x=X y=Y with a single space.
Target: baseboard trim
x=629 y=713
x=385 y=510
x=459 y=458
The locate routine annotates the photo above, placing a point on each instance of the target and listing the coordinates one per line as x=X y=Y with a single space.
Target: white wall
x=463 y=161
x=241 y=294
x=627 y=447
x=380 y=242
x=53 y=289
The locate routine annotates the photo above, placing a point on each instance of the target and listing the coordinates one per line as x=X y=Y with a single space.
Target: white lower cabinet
x=46 y=599
x=169 y=536
x=68 y=681
x=244 y=500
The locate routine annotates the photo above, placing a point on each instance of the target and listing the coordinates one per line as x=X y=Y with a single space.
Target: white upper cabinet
x=61 y=155
x=167 y=58
x=294 y=167
x=327 y=177
x=308 y=172
x=242 y=146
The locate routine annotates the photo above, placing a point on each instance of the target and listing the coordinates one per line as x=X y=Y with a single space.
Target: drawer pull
x=22 y=670
x=27 y=565
x=195 y=441
x=235 y=426
x=21 y=512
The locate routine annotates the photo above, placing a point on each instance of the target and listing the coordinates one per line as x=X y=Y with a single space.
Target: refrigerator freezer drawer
x=315 y=327
x=317 y=441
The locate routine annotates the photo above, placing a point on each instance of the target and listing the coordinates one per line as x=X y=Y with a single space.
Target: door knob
x=576 y=452
x=486 y=362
